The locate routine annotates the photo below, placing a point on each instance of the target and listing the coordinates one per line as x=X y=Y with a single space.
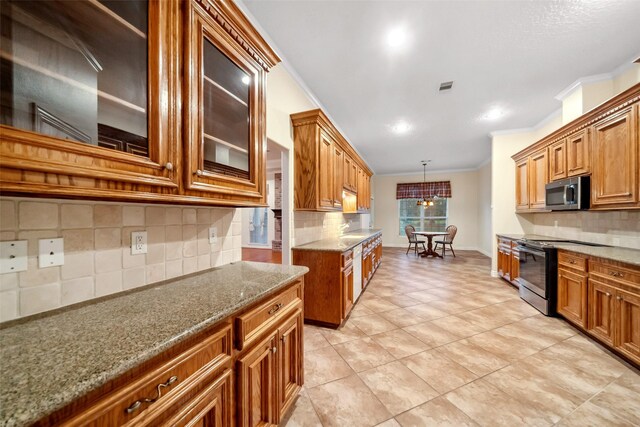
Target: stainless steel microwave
x=568 y=194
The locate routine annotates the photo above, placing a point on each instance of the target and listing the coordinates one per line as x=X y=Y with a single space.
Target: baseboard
x=485 y=253
x=494 y=273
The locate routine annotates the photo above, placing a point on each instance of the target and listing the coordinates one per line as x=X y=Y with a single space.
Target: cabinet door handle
x=274 y=349
x=169 y=166
x=199 y=172
x=607 y=294
x=619 y=298
x=275 y=308
x=284 y=339
x=572 y=262
x=136 y=405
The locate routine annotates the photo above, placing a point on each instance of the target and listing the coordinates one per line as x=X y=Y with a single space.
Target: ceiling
x=511 y=55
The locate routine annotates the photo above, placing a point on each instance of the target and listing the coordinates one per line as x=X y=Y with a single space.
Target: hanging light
x=425 y=201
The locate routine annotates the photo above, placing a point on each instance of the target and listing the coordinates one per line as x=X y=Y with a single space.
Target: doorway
x=263 y=239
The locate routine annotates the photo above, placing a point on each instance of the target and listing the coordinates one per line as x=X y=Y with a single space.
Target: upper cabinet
x=327 y=169
x=603 y=143
x=94 y=103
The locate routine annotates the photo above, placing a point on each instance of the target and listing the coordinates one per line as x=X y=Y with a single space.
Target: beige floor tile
x=506 y=348
x=590 y=415
x=458 y=326
x=488 y=406
x=549 y=327
x=576 y=354
x=423 y=296
x=402 y=300
x=431 y=334
x=389 y=423
x=474 y=358
x=621 y=399
x=347 y=402
x=324 y=365
x=402 y=317
x=400 y=343
x=302 y=414
x=515 y=331
x=440 y=372
x=359 y=310
x=450 y=306
x=438 y=412
x=397 y=387
x=348 y=332
x=426 y=311
x=313 y=339
x=363 y=354
x=552 y=402
x=373 y=324
x=379 y=305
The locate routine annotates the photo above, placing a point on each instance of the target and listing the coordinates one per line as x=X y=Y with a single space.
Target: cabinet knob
x=572 y=262
x=619 y=298
x=274 y=349
x=607 y=294
x=169 y=166
x=199 y=172
x=284 y=339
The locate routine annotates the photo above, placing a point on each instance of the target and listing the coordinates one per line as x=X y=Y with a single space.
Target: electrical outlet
x=50 y=252
x=13 y=256
x=138 y=242
x=213 y=235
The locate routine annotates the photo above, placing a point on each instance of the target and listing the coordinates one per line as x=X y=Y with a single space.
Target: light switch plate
x=213 y=235
x=50 y=252
x=138 y=242
x=13 y=256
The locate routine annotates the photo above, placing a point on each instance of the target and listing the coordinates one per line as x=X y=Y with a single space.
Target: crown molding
x=626 y=66
x=542 y=123
x=293 y=73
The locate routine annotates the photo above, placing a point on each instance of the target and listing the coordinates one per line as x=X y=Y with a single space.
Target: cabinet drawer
x=572 y=260
x=253 y=323
x=347 y=259
x=124 y=405
x=614 y=272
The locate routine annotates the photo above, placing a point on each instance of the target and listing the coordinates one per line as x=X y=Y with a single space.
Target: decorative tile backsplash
x=97 y=238
x=311 y=226
x=614 y=228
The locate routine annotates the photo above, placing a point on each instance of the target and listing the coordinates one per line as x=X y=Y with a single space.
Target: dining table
x=430 y=235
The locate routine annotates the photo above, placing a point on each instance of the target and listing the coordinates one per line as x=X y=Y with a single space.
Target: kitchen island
x=98 y=359
x=339 y=270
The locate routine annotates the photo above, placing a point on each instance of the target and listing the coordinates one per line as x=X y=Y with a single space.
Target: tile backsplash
x=311 y=226
x=98 y=258
x=614 y=228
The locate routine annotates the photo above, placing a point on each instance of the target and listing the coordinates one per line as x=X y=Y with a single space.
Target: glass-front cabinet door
x=224 y=111
x=88 y=88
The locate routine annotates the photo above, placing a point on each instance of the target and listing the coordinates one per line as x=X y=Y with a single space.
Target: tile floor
x=441 y=343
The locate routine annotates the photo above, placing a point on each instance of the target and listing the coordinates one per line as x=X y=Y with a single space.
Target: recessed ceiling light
x=493 y=114
x=397 y=37
x=401 y=127
x=246 y=80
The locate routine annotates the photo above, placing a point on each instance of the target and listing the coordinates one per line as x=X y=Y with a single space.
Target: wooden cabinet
x=290 y=366
x=111 y=127
x=257 y=384
x=605 y=142
x=328 y=293
x=628 y=311
x=572 y=288
x=538 y=179
x=558 y=160
x=515 y=264
x=601 y=310
x=522 y=184
x=347 y=290
x=338 y=176
x=325 y=165
x=615 y=160
x=578 y=153
x=508 y=260
x=207 y=380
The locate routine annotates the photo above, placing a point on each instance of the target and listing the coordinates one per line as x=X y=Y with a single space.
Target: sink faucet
x=343 y=227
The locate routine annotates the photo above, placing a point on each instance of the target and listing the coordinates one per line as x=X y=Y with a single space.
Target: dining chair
x=448 y=239
x=413 y=240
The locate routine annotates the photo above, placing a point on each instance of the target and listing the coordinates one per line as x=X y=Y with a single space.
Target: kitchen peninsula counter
x=50 y=360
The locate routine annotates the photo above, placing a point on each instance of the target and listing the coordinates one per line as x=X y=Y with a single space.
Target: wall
x=98 y=258
x=485 y=238
x=463 y=206
x=312 y=226
x=247 y=216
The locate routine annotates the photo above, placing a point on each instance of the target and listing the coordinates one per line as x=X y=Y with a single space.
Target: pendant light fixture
x=426 y=200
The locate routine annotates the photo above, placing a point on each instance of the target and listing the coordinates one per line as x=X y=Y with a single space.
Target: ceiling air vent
x=446 y=85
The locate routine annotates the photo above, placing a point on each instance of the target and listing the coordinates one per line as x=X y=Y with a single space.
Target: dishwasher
x=357 y=272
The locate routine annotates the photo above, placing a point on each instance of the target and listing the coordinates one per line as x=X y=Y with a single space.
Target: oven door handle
x=526 y=249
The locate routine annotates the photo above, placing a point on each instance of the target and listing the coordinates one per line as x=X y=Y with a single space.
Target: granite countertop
x=625 y=255
x=340 y=244
x=50 y=360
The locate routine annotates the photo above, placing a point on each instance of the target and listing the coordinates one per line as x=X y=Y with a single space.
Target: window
x=433 y=218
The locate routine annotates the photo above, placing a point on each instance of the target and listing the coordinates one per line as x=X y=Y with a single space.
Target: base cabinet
x=210 y=379
x=601 y=311
x=508 y=260
x=572 y=297
x=628 y=309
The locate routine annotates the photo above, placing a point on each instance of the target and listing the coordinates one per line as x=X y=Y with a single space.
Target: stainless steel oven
x=538 y=275
x=568 y=194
